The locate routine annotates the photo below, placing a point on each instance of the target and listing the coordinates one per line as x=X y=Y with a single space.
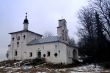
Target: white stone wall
x=70 y=55
x=53 y=48
x=64 y=52
x=19 y=45
x=23 y=51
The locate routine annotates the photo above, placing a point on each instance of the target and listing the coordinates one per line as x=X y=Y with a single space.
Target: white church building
x=26 y=44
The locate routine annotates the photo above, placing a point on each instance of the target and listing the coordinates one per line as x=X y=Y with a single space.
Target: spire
x=26 y=20
x=26 y=23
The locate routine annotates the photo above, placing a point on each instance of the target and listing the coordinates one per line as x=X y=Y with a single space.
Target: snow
x=41 y=72
x=80 y=69
x=88 y=68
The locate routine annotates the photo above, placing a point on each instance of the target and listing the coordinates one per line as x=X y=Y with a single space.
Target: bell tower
x=62 y=30
x=26 y=23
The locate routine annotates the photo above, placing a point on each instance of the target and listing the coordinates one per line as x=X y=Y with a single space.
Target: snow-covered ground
x=29 y=69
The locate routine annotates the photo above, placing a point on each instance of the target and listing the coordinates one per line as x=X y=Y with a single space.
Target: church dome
x=26 y=20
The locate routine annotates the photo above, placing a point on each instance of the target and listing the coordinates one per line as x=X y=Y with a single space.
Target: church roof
x=49 y=39
x=25 y=31
x=46 y=40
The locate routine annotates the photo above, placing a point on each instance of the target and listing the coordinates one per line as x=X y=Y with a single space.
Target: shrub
x=37 y=61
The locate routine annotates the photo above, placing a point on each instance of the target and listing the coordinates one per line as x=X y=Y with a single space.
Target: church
x=26 y=44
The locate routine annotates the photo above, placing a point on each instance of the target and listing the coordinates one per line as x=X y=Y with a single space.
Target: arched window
x=16 y=53
x=39 y=54
x=13 y=39
x=18 y=38
x=30 y=54
x=55 y=54
x=7 y=55
x=48 y=53
x=59 y=51
x=44 y=55
x=55 y=46
x=24 y=36
x=17 y=44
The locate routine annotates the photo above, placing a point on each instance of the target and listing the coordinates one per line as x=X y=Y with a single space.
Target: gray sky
x=43 y=16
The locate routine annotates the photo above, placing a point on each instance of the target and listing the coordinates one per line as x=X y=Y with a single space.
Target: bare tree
x=94 y=34
x=103 y=8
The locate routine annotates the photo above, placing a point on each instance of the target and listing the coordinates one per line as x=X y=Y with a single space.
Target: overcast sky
x=43 y=16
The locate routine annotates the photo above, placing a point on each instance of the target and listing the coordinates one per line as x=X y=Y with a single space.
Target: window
x=59 y=51
x=16 y=53
x=39 y=54
x=13 y=39
x=24 y=36
x=48 y=53
x=44 y=55
x=30 y=54
x=55 y=46
x=18 y=38
x=55 y=54
x=17 y=44
x=7 y=55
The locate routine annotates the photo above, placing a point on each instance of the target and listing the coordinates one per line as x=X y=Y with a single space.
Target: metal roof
x=25 y=31
x=49 y=39
x=45 y=40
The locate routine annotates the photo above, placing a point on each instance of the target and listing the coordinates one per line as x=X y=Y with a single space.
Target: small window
x=44 y=55
x=13 y=39
x=59 y=51
x=48 y=53
x=17 y=44
x=55 y=54
x=7 y=55
x=16 y=53
x=24 y=36
x=63 y=31
x=55 y=46
x=18 y=38
x=30 y=54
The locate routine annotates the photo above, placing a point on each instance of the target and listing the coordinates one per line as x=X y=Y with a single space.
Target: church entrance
x=39 y=54
x=74 y=55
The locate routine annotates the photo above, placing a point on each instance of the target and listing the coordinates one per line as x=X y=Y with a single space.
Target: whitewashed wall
x=22 y=44
x=53 y=48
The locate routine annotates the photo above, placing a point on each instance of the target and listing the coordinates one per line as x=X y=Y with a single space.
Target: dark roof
x=25 y=21
x=45 y=40
x=25 y=31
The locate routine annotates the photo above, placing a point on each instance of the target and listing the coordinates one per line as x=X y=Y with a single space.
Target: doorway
x=39 y=54
x=74 y=54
